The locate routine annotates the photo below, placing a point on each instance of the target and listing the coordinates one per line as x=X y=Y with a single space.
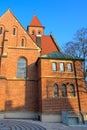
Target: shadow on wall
x=54 y=103
x=50 y=104
x=57 y=103
x=22 y=95
x=9 y=106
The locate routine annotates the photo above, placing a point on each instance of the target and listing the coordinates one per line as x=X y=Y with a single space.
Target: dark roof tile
x=60 y=55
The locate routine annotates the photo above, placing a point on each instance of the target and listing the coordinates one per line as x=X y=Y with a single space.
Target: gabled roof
x=60 y=56
x=35 y=22
x=48 y=44
x=9 y=11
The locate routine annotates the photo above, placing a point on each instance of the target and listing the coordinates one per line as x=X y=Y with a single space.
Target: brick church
x=37 y=80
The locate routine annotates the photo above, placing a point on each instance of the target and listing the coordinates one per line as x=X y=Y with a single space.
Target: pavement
x=14 y=124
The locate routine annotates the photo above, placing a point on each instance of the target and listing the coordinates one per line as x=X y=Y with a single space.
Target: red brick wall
x=48 y=78
x=18 y=94
x=36 y=91
x=21 y=96
x=2 y=93
x=48 y=45
x=36 y=30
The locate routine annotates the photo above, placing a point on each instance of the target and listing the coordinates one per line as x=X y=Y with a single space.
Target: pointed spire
x=35 y=22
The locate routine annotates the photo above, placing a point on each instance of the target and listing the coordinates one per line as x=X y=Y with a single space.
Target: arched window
x=21 y=68
x=64 y=91
x=56 y=93
x=39 y=32
x=14 y=31
x=72 y=90
x=0 y=30
x=33 y=32
x=22 y=42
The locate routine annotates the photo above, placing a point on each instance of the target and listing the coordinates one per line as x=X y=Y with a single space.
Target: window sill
x=65 y=97
x=62 y=72
x=17 y=79
x=68 y=97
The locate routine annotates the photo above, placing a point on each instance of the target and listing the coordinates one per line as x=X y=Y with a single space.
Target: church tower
x=35 y=27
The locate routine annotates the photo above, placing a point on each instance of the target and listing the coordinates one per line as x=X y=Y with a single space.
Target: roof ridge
x=55 y=42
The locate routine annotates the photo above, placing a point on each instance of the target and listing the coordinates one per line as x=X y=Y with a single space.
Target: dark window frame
x=64 y=90
x=1 y=30
x=69 y=66
x=33 y=32
x=56 y=90
x=14 y=31
x=39 y=32
x=72 y=90
x=21 y=68
x=22 y=42
x=62 y=67
x=54 y=66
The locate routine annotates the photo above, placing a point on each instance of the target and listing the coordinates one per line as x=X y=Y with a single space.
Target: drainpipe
x=78 y=96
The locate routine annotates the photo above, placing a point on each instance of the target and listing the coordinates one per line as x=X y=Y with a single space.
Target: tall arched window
x=21 y=68
x=22 y=43
x=64 y=90
x=56 y=93
x=72 y=90
x=0 y=30
x=14 y=31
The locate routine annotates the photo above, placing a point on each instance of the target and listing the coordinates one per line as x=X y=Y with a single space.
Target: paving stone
x=18 y=125
x=14 y=124
x=5 y=128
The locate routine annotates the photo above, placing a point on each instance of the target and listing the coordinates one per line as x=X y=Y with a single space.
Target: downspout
x=78 y=96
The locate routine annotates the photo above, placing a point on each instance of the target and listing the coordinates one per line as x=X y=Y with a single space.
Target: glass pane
x=21 y=68
x=64 y=91
x=69 y=67
x=72 y=91
x=54 y=66
x=0 y=30
x=55 y=90
x=22 y=42
x=61 y=66
x=14 y=31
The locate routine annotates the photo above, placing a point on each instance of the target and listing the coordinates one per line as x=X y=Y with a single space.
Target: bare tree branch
x=78 y=46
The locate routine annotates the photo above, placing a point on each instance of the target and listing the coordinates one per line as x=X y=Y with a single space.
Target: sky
x=61 y=17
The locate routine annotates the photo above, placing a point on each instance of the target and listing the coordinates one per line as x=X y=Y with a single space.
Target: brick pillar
x=2 y=92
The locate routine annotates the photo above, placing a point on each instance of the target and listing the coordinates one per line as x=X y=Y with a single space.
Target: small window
x=56 y=94
x=33 y=32
x=0 y=30
x=14 y=31
x=54 y=66
x=39 y=32
x=22 y=42
x=69 y=65
x=72 y=90
x=62 y=67
x=64 y=91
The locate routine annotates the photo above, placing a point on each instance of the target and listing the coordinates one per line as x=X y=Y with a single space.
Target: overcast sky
x=61 y=17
